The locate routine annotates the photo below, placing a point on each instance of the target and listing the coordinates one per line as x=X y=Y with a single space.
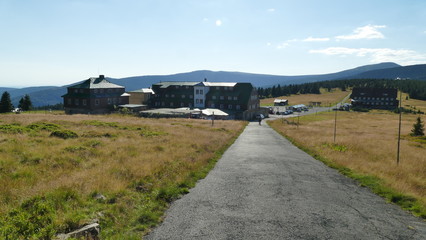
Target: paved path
x=265 y=188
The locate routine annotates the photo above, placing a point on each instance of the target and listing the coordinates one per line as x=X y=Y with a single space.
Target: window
x=230 y=106
x=183 y=95
x=75 y=90
x=212 y=105
x=81 y=90
x=182 y=104
x=221 y=106
x=238 y=107
x=84 y=102
x=115 y=100
x=95 y=91
x=217 y=88
x=201 y=101
x=109 y=100
x=172 y=95
x=197 y=101
x=171 y=104
x=177 y=87
x=163 y=104
x=191 y=96
x=69 y=101
x=197 y=91
x=229 y=98
x=201 y=91
x=96 y=102
x=222 y=97
x=235 y=98
x=167 y=95
x=101 y=90
x=214 y=97
x=77 y=102
x=109 y=90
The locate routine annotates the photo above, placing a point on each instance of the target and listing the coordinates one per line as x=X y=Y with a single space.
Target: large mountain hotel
x=381 y=98
x=94 y=96
x=239 y=99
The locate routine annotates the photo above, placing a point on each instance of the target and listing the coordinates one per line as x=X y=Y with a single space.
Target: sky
x=60 y=42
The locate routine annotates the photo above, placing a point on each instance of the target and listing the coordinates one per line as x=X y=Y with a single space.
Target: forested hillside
x=416 y=89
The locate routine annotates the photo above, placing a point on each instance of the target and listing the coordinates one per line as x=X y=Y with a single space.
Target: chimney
x=101 y=77
x=205 y=79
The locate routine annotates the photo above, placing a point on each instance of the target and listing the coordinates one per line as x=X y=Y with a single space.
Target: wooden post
x=399 y=129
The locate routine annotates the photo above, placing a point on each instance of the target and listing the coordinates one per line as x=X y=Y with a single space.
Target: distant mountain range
x=50 y=95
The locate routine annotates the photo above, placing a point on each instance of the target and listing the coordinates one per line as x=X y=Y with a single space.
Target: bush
x=64 y=134
x=44 y=126
x=360 y=109
x=32 y=220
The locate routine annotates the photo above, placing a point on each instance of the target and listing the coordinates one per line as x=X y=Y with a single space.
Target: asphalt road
x=265 y=188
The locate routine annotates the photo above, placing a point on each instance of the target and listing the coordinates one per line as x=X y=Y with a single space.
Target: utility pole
x=335 y=124
x=399 y=129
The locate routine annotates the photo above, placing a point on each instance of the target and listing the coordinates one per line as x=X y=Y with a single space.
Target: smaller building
x=379 y=98
x=280 y=102
x=94 y=96
x=141 y=96
x=315 y=104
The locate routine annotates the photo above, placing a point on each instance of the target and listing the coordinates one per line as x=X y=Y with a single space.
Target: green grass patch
x=336 y=147
x=64 y=134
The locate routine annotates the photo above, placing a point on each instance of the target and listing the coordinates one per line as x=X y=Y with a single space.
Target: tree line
x=6 y=105
x=414 y=88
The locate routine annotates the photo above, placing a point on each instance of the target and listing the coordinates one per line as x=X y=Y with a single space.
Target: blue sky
x=59 y=42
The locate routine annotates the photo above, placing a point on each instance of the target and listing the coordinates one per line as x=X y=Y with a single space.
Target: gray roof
x=99 y=82
x=218 y=84
x=167 y=84
x=143 y=90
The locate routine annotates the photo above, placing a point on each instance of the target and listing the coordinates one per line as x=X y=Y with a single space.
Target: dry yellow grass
x=413 y=103
x=326 y=98
x=111 y=154
x=367 y=143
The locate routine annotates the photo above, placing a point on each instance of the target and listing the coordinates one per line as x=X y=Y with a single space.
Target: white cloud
x=283 y=45
x=312 y=39
x=377 y=55
x=366 y=32
x=271 y=10
x=218 y=23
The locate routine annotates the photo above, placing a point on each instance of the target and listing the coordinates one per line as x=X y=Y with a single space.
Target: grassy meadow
x=60 y=172
x=366 y=149
x=326 y=98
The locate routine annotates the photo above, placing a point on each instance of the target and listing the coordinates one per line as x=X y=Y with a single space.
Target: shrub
x=13 y=128
x=64 y=134
x=44 y=126
x=32 y=220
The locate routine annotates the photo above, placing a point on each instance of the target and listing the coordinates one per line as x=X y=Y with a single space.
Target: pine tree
x=5 y=103
x=25 y=103
x=418 y=128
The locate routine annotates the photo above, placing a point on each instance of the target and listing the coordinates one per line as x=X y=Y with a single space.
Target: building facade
x=230 y=97
x=140 y=96
x=380 y=98
x=94 y=96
